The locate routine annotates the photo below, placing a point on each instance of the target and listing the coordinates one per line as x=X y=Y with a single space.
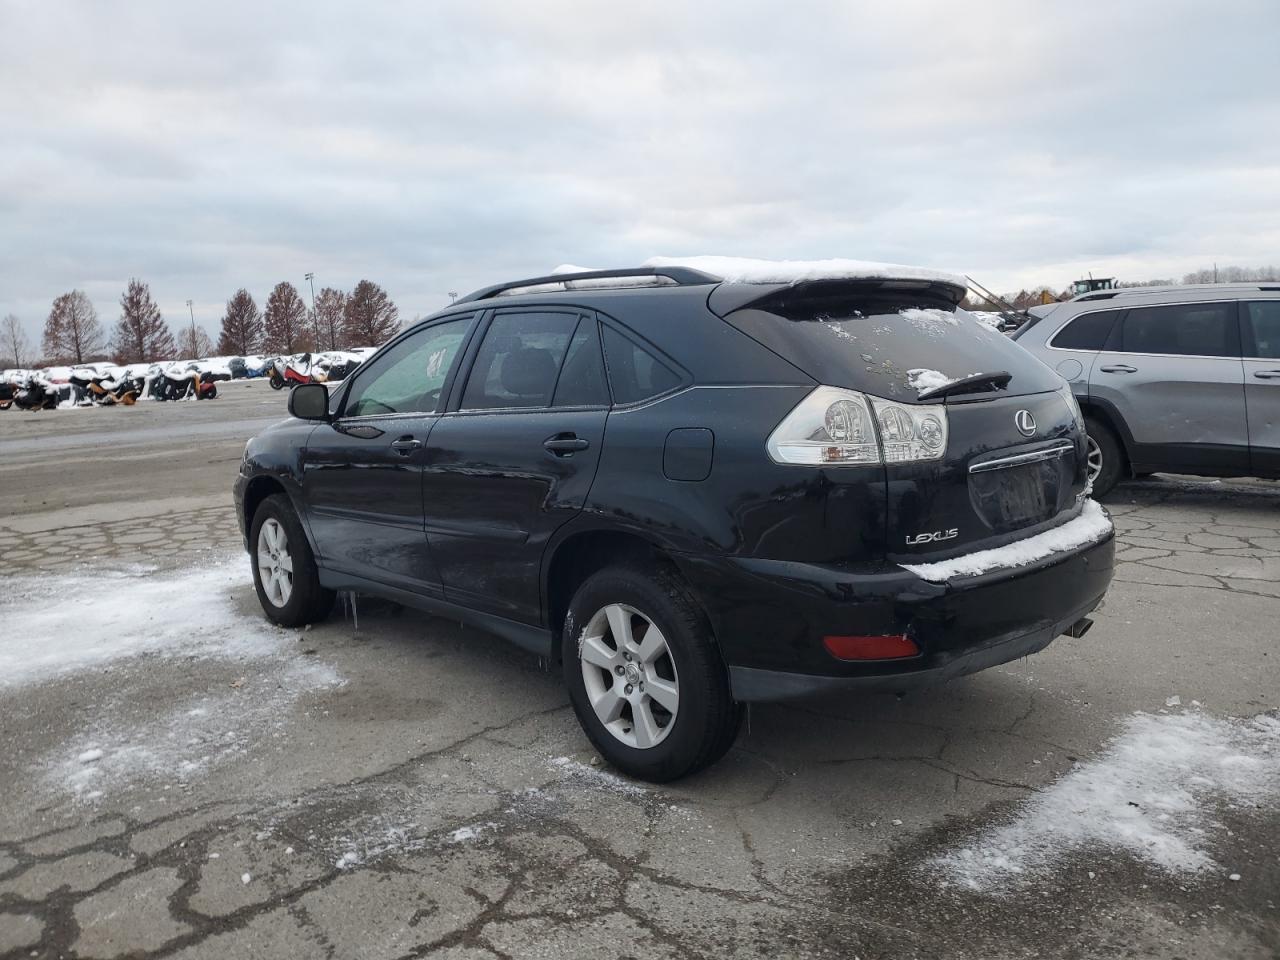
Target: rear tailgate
x=995 y=485
x=996 y=482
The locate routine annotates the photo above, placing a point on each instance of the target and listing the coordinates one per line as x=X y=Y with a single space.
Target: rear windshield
x=890 y=344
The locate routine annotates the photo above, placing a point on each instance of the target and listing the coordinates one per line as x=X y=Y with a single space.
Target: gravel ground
x=181 y=779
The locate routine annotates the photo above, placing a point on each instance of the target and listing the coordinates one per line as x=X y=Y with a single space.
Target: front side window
x=634 y=373
x=410 y=376
x=519 y=361
x=1184 y=329
x=1263 y=319
x=1088 y=332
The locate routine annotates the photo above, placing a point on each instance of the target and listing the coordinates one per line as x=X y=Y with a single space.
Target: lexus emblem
x=1025 y=423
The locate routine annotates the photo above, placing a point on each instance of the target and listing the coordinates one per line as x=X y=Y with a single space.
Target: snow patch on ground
x=1151 y=793
x=186 y=742
x=57 y=625
x=600 y=778
x=1093 y=524
x=470 y=832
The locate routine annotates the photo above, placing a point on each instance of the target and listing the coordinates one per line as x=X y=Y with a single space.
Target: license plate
x=1021 y=495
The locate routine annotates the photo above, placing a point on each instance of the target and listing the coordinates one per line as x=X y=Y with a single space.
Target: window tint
x=1264 y=323
x=408 y=378
x=519 y=360
x=582 y=382
x=635 y=373
x=1088 y=332
x=1194 y=329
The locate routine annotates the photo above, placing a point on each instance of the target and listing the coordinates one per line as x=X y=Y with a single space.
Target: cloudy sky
x=441 y=146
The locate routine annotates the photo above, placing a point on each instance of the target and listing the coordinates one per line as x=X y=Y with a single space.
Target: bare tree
x=141 y=333
x=193 y=343
x=327 y=319
x=370 y=318
x=1232 y=275
x=285 y=321
x=72 y=332
x=242 y=330
x=13 y=341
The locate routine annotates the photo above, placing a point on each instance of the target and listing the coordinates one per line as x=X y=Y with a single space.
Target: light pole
x=315 y=321
x=453 y=296
x=192 y=311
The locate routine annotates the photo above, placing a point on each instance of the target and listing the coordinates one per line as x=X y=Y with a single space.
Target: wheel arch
x=1106 y=412
x=579 y=554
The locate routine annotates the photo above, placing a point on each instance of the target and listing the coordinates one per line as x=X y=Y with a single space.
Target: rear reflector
x=892 y=647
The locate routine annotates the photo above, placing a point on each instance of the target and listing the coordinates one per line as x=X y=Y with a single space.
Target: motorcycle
x=107 y=392
x=285 y=374
x=179 y=383
x=33 y=395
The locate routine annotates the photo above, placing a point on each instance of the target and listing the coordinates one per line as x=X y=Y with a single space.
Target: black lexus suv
x=695 y=488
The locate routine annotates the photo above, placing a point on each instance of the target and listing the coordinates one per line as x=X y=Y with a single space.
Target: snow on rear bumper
x=1091 y=526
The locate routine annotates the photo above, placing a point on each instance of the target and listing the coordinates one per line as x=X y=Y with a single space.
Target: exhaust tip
x=1079 y=628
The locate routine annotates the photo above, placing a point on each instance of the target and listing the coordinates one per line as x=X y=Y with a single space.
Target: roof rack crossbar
x=682 y=276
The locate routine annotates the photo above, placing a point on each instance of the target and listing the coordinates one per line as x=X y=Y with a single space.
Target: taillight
x=836 y=426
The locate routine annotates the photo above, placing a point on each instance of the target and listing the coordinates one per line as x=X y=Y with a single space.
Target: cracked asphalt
x=389 y=784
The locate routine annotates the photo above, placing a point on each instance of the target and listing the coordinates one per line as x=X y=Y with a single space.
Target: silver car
x=1183 y=379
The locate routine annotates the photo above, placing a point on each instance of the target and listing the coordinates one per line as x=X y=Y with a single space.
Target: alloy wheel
x=1094 y=461
x=275 y=564
x=630 y=676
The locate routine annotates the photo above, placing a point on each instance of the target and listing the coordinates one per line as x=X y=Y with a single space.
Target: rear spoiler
x=728 y=297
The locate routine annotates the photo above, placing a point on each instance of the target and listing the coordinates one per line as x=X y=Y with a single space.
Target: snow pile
x=747 y=270
x=923 y=380
x=1090 y=526
x=1151 y=794
x=118 y=614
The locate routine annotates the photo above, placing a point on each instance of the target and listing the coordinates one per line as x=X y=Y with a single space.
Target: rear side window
x=1087 y=332
x=582 y=382
x=1184 y=329
x=519 y=360
x=634 y=373
x=1263 y=322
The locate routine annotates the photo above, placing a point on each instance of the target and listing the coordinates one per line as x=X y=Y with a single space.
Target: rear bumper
x=770 y=618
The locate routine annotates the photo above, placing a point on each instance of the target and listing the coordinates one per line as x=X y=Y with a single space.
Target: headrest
x=528 y=372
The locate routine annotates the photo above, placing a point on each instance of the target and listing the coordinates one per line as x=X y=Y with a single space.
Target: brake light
x=888 y=647
x=836 y=426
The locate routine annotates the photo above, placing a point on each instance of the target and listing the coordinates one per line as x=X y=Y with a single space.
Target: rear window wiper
x=974 y=383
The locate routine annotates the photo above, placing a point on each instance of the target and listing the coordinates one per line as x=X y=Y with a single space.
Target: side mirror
x=309 y=401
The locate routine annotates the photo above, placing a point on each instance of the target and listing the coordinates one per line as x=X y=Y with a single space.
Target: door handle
x=565 y=444
x=1267 y=374
x=1118 y=368
x=405 y=445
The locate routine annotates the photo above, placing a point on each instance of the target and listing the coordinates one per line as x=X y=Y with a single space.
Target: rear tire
x=284 y=568
x=1103 y=444
x=634 y=729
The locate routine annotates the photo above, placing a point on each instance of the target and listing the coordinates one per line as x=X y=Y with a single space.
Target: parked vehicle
x=285 y=372
x=34 y=393
x=695 y=485
x=1183 y=379
x=180 y=382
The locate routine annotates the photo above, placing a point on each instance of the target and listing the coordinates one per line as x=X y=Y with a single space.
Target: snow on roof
x=747 y=270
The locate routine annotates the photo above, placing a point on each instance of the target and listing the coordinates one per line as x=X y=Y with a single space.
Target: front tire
x=645 y=676
x=284 y=569
x=1106 y=456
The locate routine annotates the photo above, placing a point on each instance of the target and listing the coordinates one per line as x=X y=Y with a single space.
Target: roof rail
x=681 y=276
